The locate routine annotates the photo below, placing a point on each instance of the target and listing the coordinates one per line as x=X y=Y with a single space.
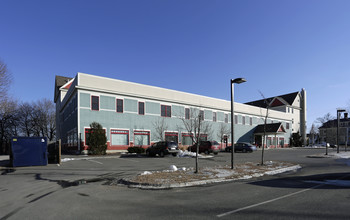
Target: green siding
x=85 y=100
x=130 y=105
x=107 y=102
x=152 y=108
x=208 y=115
x=177 y=111
x=220 y=116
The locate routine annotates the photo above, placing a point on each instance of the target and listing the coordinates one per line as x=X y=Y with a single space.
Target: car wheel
x=244 y=150
x=216 y=153
x=148 y=154
x=174 y=154
x=161 y=154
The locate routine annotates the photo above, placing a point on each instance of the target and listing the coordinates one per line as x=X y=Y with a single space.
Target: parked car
x=163 y=148
x=242 y=146
x=206 y=147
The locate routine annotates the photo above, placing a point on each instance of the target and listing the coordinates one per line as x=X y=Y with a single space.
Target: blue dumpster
x=28 y=151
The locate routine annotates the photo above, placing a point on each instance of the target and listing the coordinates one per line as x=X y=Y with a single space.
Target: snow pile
x=173 y=168
x=67 y=159
x=146 y=173
x=187 y=153
x=344 y=155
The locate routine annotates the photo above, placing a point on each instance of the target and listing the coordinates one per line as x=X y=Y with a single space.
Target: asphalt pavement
x=79 y=189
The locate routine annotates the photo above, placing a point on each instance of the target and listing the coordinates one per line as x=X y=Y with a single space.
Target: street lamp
x=338 y=111
x=232 y=82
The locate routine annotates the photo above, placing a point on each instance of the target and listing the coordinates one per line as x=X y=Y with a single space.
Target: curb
x=131 y=184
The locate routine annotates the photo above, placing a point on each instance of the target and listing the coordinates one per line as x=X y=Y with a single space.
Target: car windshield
x=215 y=143
x=172 y=144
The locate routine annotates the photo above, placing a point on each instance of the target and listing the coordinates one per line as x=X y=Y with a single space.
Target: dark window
x=141 y=108
x=95 y=103
x=165 y=111
x=251 y=121
x=214 y=116
x=287 y=126
x=243 y=120
x=187 y=113
x=120 y=105
x=236 y=119
x=201 y=113
x=226 y=118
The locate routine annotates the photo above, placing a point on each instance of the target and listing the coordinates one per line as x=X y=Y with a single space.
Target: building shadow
x=322 y=181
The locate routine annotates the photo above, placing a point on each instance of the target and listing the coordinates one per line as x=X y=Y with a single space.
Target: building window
x=214 y=116
x=141 y=108
x=243 y=120
x=226 y=118
x=201 y=114
x=172 y=136
x=142 y=138
x=119 y=137
x=120 y=105
x=95 y=103
x=250 y=121
x=187 y=139
x=236 y=119
x=165 y=111
x=287 y=126
x=187 y=113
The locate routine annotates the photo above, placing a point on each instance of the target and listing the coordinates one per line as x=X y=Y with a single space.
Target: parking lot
x=39 y=192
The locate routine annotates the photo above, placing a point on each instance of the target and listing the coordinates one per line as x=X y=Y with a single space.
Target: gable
x=276 y=102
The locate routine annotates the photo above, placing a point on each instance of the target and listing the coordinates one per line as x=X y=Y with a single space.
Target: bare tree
x=224 y=130
x=265 y=122
x=43 y=119
x=160 y=126
x=25 y=120
x=8 y=121
x=313 y=134
x=326 y=118
x=195 y=126
x=5 y=80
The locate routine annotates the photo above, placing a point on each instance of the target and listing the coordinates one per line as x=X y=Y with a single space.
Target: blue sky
x=279 y=46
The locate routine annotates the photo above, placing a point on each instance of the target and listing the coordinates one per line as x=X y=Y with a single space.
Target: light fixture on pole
x=338 y=111
x=232 y=82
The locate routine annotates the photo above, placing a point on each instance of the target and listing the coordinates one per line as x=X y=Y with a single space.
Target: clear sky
x=196 y=46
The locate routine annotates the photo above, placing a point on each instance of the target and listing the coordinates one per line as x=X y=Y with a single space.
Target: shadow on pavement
x=327 y=181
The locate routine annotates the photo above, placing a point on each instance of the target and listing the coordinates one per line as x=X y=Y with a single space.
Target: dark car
x=206 y=147
x=163 y=148
x=242 y=146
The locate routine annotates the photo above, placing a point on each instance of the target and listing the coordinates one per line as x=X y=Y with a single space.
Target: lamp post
x=338 y=111
x=232 y=82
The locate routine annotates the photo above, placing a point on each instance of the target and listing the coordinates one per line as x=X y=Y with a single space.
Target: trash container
x=28 y=151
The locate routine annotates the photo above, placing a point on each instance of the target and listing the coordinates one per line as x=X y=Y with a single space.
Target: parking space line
x=128 y=159
x=268 y=201
x=95 y=161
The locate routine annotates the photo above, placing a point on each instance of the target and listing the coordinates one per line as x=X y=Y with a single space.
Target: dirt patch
x=240 y=171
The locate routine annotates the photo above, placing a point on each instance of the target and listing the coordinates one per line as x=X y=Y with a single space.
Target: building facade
x=136 y=114
x=328 y=131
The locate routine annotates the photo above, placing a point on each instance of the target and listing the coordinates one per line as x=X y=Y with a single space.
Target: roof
x=263 y=103
x=334 y=123
x=59 y=82
x=270 y=128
